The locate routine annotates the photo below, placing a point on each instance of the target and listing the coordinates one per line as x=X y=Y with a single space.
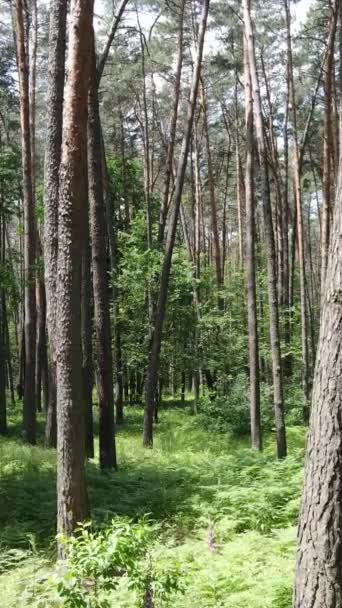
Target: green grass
x=193 y=484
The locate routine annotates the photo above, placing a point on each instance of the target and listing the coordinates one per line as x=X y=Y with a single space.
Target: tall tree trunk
x=56 y=73
x=154 y=358
x=87 y=340
x=29 y=409
x=3 y=404
x=328 y=140
x=173 y=127
x=253 y=342
x=300 y=225
x=270 y=246
x=100 y=277
x=212 y=198
x=318 y=572
x=41 y=331
x=72 y=503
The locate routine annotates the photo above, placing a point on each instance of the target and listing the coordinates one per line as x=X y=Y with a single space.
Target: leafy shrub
x=97 y=561
x=228 y=413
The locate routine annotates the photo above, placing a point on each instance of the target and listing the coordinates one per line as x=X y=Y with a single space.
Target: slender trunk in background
x=173 y=127
x=318 y=573
x=270 y=246
x=328 y=145
x=154 y=357
x=29 y=409
x=100 y=277
x=3 y=404
x=53 y=141
x=253 y=341
x=87 y=339
x=109 y=216
x=72 y=503
x=41 y=331
x=285 y=227
x=306 y=375
x=211 y=186
x=240 y=195
x=109 y=212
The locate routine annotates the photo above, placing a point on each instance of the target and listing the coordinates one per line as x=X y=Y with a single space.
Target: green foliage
x=229 y=412
x=95 y=562
x=151 y=521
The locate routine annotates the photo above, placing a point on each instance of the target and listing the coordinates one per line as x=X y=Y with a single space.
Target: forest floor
x=229 y=513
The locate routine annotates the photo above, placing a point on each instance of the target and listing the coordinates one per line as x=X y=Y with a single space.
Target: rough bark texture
x=253 y=342
x=57 y=34
x=319 y=565
x=270 y=245
x=100 y=278
x=72 y=504
x=153 y=365
x=29 y=409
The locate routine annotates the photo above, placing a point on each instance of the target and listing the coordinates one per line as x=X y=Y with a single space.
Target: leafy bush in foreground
x=97 y=561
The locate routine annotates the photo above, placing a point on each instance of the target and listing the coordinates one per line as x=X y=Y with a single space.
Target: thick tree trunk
x=72 y=504
x=56 y=73
x=319 y=567
x=154 y=358
x=270 y=246
x=253 y=341
x=100 y=277
x=29 y=409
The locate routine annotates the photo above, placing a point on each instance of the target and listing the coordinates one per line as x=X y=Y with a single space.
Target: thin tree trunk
x=253 y=341
x=212 y=198
x=100 y=277
x=154 y=358
x=172 y=135
x=271 y=257
x=300 y=226
x=29 y=409
x=327 y=146
x=87 y=340
x=3 y=404
x=72 y=503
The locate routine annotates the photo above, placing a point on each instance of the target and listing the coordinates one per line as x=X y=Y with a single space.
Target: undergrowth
x=218 y=521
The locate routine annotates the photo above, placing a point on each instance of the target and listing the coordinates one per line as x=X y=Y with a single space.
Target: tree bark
x=327 y=145
x=319 y=567
x=213 y=208
x=300 y=227
x=100 y=277
x=154 y=358
x=87 y=340
x=53 y=142
x=3 y=404
x=72 y=503
x=29 y=406
x=253 y=341
x=173 y=127
x=270 y=246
